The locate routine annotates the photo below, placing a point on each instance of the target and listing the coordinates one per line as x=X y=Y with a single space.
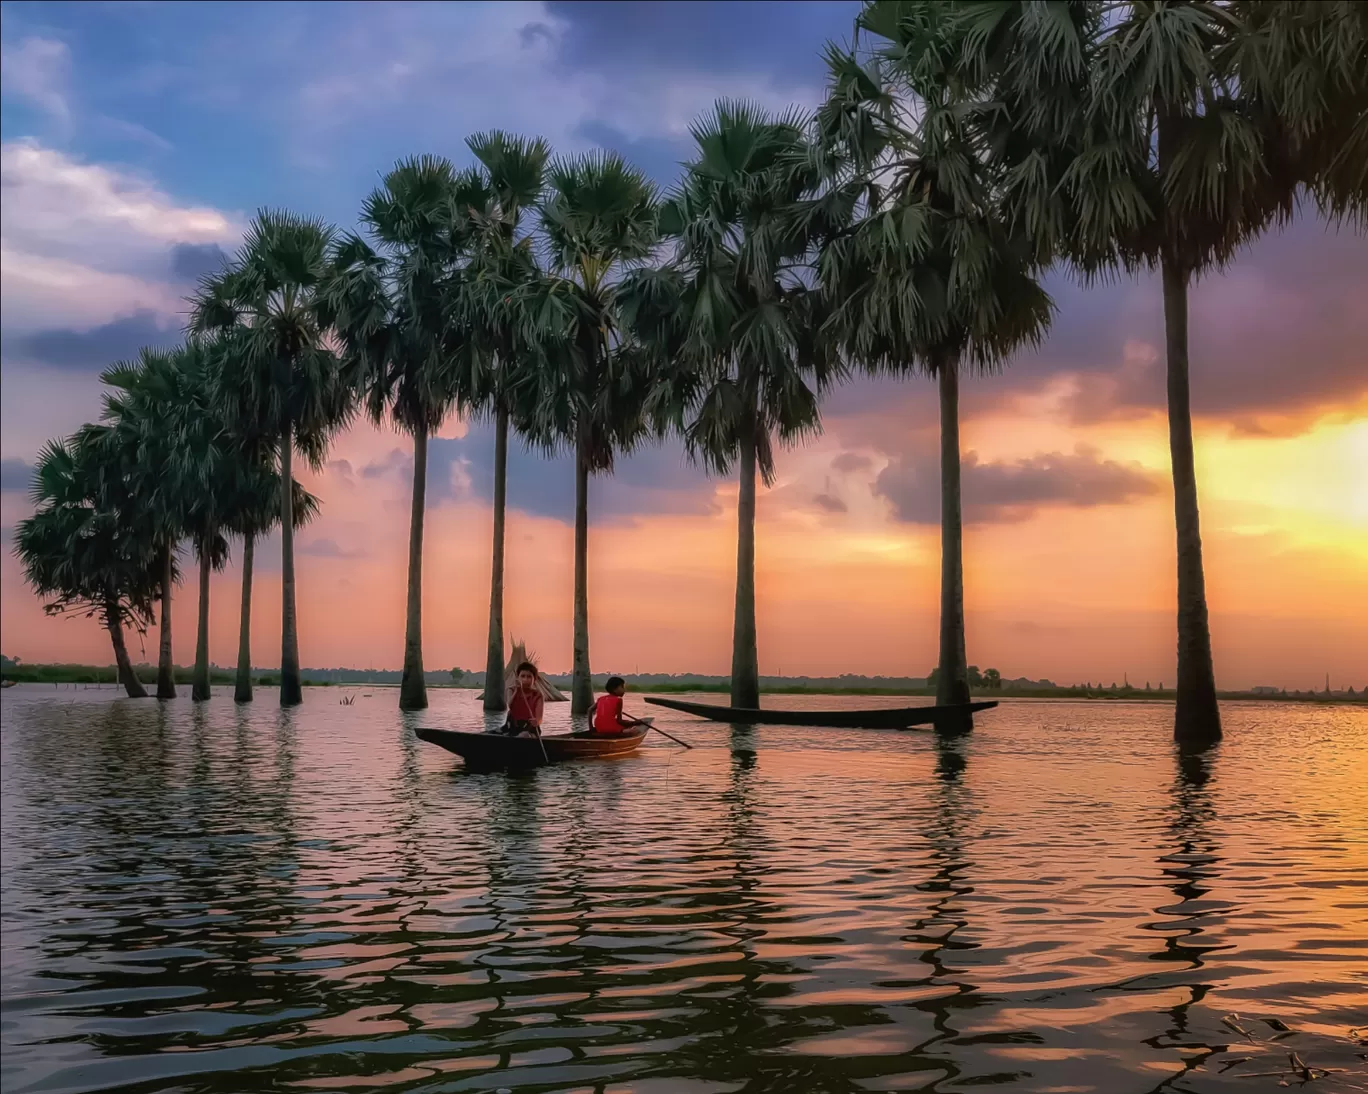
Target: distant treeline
x=664 y=683
x=105 y=674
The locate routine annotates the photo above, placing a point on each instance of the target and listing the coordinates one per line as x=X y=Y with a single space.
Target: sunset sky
x=139 y=138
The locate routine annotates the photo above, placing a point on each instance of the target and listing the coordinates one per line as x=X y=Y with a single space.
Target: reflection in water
x=1187 y=925
x=946 y=915
x=214 y=898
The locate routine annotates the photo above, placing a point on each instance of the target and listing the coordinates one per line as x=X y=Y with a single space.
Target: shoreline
x=104 y=675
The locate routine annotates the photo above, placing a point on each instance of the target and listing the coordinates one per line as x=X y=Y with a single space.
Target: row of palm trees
x=963 y=150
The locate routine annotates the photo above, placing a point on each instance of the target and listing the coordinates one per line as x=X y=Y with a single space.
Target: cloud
x=1012 y=491
x=192 y=261
x=395 y=461
x=653 y=480
x=830 y=504
x=851 y=461
x=39 y=70
x=1281 y=332
x=15 y=475
x=353 y=82
x=85 y=244
x=101 y=346
x=327 y=548
x=714 y=36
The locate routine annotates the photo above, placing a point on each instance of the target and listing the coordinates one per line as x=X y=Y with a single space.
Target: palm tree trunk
x=494 y=660
x=581 y=684
x=127 y=677
x=412 y=688
x=952 y=684
x=242 y=688
x=199 y=686
x=291 y=694
x=166 y=669
x=1197 y=719
x=745 y=670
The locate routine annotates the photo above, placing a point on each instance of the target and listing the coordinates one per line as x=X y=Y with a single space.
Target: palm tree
x=86 y=556
x=930 y=278
x=740 y=359
x=1161 y=136
x=390 y=310
x=501 y=260
x=597 y=222
x=286 y=382
x=154 y=452
x=252 y=511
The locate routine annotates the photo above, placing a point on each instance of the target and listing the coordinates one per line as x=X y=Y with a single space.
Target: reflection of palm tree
x=946 y=915
x=177 y=867
x=739 y=1034
x=1190 y=868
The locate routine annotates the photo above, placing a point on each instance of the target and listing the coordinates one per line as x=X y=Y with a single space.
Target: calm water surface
x=198 y=897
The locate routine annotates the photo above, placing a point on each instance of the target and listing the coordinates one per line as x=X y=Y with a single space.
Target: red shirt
x=526 y=706
x=607 y=711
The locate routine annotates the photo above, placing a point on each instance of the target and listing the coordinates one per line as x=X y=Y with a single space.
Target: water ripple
x=212 y=899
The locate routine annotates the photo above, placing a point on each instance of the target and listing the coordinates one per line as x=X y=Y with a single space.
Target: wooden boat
x=498 y=750
x=8 y=683
x=887 y=718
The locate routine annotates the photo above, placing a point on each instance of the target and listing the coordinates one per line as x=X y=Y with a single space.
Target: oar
x=650 y=724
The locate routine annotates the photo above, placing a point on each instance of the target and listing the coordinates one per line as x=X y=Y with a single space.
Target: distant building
x=1265 y=690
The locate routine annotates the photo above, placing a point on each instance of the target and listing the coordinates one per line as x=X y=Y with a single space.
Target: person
x=525 y=703
x=609 y=721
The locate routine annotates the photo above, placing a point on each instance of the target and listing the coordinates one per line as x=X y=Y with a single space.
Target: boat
x=499 y=750
x=8 y=683
x=886 y=718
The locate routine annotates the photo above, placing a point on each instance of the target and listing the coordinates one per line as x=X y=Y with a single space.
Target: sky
x=139 y=138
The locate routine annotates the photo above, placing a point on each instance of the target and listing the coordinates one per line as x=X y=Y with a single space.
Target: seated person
x=609 y=721
x=525 y=703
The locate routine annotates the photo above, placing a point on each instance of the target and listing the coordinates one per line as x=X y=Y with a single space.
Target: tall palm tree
x=390 y=311
x=171 y=401
x=1162 y=136
x=287 y=382
x=155 y=452
x=85 y=555
x=930 y=278
x=501 y=260
x=251 y=512
x=597 y=222
x=743 y=365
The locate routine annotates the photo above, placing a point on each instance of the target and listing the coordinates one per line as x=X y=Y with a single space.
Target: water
x=210 y=898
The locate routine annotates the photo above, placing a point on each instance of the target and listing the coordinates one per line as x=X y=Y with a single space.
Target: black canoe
x=889 y=718
x=497 y=750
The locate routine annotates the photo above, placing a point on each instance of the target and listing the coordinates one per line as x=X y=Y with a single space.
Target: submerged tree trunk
x=412 y=687
x=291 y=694
x=166 y=668
x=952 y=684
x=1197 y=719
x=199 y=686
x=745 y=670
x=581 y=684
x=242 y=687
x=494 y=659
x=127 y=677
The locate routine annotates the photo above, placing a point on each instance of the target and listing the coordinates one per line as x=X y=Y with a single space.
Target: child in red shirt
x=608 y=717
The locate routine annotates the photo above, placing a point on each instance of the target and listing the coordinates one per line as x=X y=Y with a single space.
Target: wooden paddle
x=649 y=723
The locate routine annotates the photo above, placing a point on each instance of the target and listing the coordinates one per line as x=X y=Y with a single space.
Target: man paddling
x=609 y=720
